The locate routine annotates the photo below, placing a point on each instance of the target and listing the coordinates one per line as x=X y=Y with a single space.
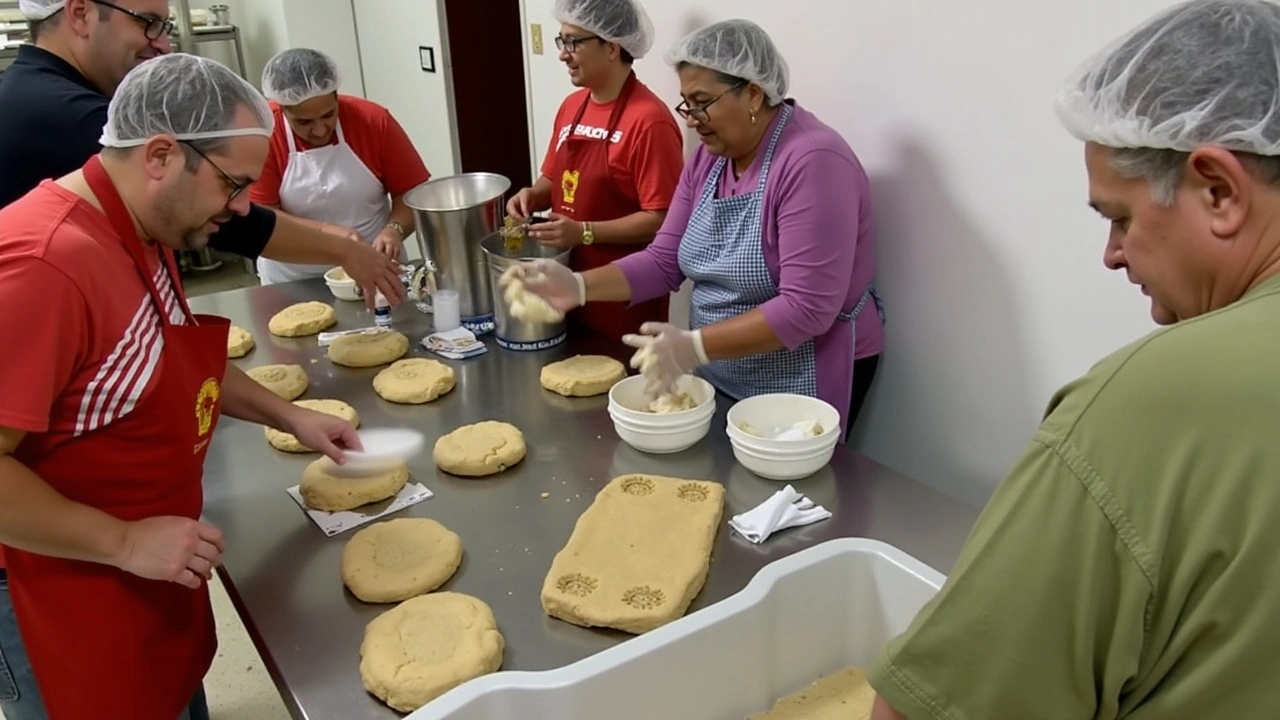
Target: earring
x=753 y=117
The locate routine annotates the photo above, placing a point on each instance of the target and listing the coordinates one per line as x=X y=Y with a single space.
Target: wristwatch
x=588 y=235
x=398 y=228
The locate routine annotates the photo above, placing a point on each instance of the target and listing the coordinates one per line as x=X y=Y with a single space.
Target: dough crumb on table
x=844 y=695
x=638 y=555
x=428 y=645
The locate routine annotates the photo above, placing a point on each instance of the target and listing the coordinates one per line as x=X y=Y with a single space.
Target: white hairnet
x=189 y=97
x=36 y=10
x=739 y=48
x=618 y=21
x=295 y=76
x=1201 y=73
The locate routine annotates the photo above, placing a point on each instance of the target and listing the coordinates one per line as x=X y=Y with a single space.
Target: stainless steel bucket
x=452 y=214
x=511 y=333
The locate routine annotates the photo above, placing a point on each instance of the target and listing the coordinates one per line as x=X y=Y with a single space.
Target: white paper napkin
x=333 y=523
x=457 y=344
x=786 y=508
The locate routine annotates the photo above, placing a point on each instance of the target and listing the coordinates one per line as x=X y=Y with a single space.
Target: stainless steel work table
x=282 y=572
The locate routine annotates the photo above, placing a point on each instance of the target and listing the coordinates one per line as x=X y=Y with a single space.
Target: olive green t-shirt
x=1129 y=565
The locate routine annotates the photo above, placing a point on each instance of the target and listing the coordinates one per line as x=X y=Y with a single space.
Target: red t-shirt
x=83 y=336
x=646 y=152
x=374 y=136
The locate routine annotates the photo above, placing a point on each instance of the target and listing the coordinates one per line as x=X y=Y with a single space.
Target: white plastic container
x=806 y=615
x=661 y=433
x=341 y=284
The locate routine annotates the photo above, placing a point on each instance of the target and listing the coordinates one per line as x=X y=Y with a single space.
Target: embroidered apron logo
x=206 y=401
x=569 y=185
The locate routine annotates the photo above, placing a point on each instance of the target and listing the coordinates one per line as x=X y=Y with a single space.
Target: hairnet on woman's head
x=188 y=97
x=739 y=48
x=617 y=21
x=37 y=10
x=1205 y=72
x=295 y=76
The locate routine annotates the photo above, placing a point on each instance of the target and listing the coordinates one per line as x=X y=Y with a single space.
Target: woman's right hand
x=561 y=287
x=521 y=205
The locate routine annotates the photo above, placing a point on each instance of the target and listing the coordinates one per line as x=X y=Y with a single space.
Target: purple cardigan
x=817 y=241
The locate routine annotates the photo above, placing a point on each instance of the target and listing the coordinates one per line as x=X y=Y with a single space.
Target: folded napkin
x=456 y=344
x=786 y=508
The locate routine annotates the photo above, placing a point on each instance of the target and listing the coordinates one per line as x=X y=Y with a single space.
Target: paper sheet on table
x=332 y=523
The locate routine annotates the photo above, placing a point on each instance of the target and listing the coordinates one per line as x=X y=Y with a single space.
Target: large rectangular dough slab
x=638 y=556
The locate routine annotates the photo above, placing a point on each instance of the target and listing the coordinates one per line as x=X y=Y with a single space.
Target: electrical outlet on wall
x=535 y=38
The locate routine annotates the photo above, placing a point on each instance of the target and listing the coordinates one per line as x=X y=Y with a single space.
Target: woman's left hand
x=557 y=232
x=671 y=352
x=389 y=243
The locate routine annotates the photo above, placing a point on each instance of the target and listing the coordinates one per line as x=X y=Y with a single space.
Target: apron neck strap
x=619 y=104
x=127 y=235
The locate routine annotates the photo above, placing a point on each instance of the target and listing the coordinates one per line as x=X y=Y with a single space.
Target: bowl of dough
x=341 y=284
x=668 y=424
x=782 y=436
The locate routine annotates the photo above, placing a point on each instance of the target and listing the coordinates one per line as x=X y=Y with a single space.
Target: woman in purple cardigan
x=771 y=222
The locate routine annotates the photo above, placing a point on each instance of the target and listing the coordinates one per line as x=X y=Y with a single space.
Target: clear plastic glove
x=561 y=287
x=664 y=353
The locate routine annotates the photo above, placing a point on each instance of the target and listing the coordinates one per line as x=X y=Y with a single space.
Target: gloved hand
x=664 y=353
x=561 y=287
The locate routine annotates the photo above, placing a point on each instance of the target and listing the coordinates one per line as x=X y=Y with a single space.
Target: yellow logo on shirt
x=206 y=402
x=569 y=185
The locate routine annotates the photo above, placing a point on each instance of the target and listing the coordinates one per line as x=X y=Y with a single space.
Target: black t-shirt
x=51 y=118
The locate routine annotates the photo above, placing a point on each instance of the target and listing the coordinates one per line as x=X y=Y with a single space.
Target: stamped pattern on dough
x=644 y=597
x=638 y=486
x=577 y=584
x=693 y=492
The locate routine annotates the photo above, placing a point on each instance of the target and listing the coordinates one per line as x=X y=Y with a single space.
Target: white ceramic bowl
x=773 y=466
x=776 y=412
x=341 y=285
x=661 y=433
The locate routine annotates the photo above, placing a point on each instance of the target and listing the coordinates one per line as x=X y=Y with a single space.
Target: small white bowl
x=661 y=433
x=783 y=468
x=778 y=411
x=341 y=284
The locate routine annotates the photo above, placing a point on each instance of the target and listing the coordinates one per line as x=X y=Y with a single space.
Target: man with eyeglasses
x=110 y=395
x=53 y=105
x=615 y=156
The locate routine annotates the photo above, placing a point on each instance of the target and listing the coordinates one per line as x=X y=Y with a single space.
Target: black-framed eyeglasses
x=154 y=27
x=699 y=112
x=569 y=43
x=237 y=186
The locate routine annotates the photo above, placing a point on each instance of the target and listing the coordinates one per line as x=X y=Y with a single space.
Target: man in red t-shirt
x=615 y=155
x=335 y=160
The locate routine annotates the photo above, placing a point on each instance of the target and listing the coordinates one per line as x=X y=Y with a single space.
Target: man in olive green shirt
x=1129 y=565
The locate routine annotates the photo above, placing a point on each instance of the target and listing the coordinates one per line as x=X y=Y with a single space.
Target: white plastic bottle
x=381 y=310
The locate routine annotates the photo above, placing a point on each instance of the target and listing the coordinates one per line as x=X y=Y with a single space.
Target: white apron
x=328 y=184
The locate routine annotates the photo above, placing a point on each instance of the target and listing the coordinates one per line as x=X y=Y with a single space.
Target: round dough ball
x=583 y=375
x=399 y=559
x=281 y=440
x=485 y=448
x=331 y=493
x=302 y=319
x=239 y=342
x=414 y=381
x=287 y=381
x=426 y=646
x=368 y=349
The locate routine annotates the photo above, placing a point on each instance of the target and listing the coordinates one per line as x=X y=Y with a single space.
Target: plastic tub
x=809 y=614
x=775 y=466
x=779 y=411
x=627 y=398
x=663 y=440
x=341 y=285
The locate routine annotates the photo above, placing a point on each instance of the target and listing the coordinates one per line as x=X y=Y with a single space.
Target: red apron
x=583 y=188
x=106 y=644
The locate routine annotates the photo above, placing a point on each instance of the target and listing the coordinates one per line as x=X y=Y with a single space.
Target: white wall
x=990 y=262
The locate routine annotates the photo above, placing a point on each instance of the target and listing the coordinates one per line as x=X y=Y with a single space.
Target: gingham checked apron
x=721 y=253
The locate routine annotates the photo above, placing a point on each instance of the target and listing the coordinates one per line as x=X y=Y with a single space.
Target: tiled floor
x=238 y=686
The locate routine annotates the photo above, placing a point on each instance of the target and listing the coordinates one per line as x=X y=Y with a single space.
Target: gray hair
x=1162 y=169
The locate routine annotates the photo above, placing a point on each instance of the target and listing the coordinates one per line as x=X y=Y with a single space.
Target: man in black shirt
x=53 y=106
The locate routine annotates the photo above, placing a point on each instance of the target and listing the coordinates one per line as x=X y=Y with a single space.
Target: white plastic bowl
x=779 y=411
x=341 y=285
x=661 y=433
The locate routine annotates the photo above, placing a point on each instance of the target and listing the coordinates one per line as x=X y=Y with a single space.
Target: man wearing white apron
x=355 y=173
